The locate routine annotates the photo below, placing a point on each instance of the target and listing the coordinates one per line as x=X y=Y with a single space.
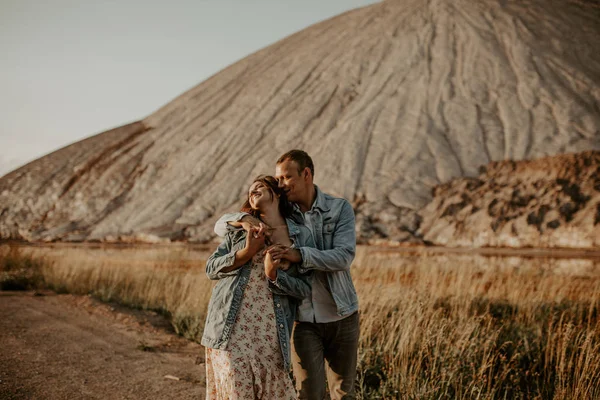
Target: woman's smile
x=256 y=194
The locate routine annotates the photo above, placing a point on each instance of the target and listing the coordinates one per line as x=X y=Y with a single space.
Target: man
x=327 y=328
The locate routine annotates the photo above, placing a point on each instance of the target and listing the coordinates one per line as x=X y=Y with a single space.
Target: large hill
x=391 y=100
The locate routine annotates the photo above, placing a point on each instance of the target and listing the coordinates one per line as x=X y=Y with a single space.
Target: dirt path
x=74 y=347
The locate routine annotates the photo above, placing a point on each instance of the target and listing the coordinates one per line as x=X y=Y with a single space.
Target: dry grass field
x=433 y=325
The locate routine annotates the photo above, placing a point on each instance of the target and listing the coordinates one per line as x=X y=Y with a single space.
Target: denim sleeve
x=222 y=257
x=340 y=257
x=288 y=285
x=222 y=226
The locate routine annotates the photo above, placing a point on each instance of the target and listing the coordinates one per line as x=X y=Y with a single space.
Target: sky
x=70 y=69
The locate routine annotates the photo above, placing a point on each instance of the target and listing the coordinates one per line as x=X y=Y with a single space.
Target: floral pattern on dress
x=252 y=366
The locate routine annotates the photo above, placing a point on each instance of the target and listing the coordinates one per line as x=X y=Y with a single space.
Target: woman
x=253 y=305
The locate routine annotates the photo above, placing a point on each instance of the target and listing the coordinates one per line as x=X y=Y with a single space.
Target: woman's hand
x=255 y=240
x=271 y=267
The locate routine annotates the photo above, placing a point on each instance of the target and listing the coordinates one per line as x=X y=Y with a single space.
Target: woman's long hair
x=285 y=207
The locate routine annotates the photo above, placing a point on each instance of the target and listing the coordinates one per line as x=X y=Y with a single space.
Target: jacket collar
x=320 y=202
x=293 y=229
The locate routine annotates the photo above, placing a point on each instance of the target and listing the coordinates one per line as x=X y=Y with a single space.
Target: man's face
x=293 y=182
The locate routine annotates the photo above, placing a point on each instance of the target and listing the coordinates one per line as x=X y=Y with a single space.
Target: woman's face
x=260 y=196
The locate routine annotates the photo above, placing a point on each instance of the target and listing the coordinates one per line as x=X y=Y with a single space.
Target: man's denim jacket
x=335 y=240
x=288 y=289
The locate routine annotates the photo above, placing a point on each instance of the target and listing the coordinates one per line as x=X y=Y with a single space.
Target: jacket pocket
x=328 y=229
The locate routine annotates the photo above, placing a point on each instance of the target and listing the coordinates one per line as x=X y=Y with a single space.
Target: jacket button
x=281 y=325
x=278 y=305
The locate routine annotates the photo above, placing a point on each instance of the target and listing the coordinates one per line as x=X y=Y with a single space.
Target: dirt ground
x=74 y=347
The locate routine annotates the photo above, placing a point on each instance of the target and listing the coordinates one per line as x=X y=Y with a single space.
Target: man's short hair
x=301 y=158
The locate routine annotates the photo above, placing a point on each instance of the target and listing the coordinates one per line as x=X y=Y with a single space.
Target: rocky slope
x=549 y=202
x=390 y=100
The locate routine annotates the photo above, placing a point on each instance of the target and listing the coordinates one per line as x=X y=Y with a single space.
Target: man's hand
x=281 y=252
x=248 y=222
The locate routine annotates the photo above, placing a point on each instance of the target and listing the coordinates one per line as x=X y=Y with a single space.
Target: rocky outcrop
x=390 y=100
x=549 y=202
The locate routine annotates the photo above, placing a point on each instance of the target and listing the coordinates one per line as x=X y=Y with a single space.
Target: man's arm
x=337 y=259
x=222 y=226
x=288 y=285
x=344 y=247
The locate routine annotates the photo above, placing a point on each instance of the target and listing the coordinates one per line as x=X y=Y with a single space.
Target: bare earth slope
x=70 y=347
x=549 y=202
x=390 y=100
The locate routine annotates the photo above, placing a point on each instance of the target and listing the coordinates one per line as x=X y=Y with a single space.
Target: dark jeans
x=333 y=342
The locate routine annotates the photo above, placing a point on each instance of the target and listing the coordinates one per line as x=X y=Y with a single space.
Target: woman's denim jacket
x=289 y=288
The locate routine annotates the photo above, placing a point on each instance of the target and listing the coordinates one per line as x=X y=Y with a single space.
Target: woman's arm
x=224 y=262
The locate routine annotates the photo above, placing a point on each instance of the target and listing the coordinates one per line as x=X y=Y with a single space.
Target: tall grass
x=19 y=271
x=465 y=327
x=169 y=280
x=432 y=326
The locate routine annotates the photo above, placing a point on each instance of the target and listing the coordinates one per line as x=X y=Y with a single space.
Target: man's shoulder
x=335 y=199
x=334 y=205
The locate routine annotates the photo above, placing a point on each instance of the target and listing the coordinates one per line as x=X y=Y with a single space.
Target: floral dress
x=252 y=365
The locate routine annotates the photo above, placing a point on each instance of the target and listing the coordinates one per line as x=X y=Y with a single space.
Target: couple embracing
x=284 y=265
